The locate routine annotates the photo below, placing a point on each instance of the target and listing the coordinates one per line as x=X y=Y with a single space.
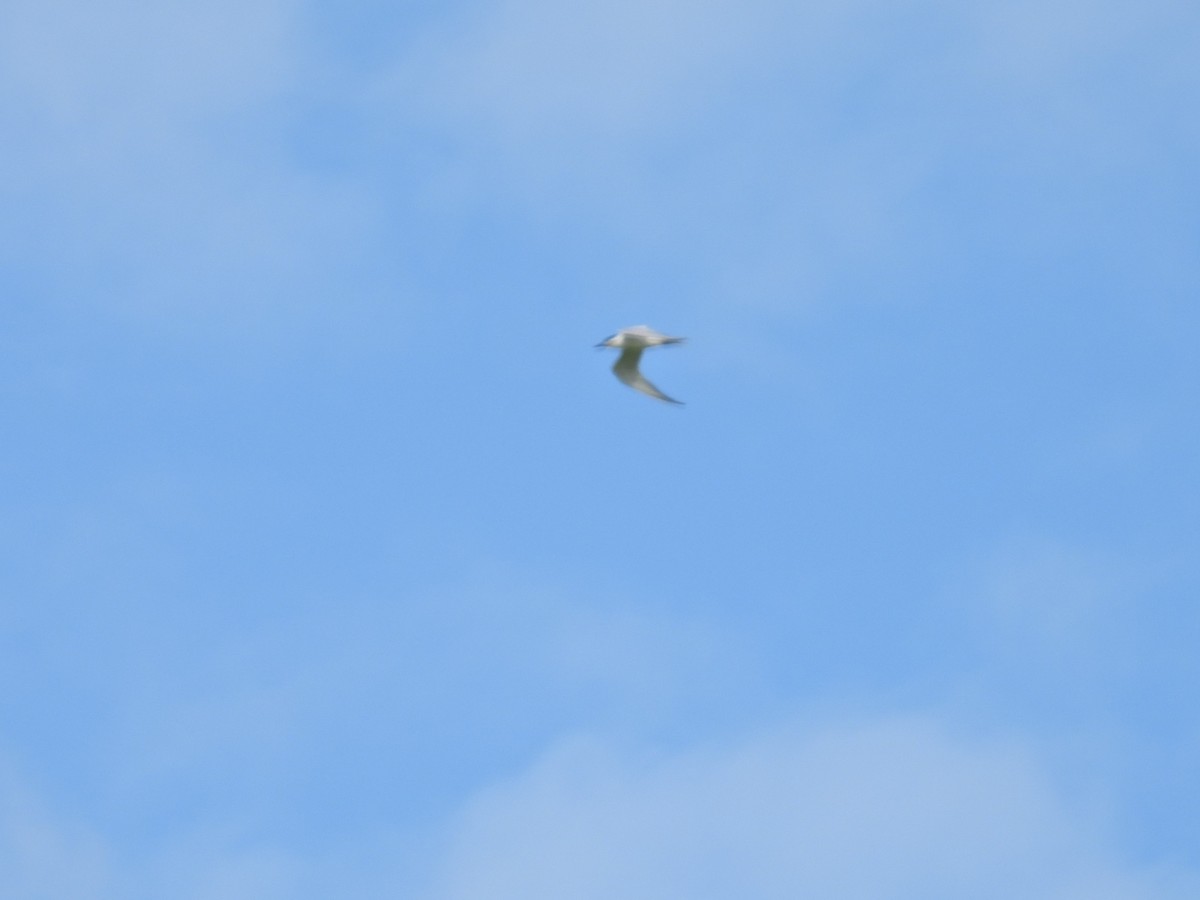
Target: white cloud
x=709 y=136
x=1039 y=46
x=531 y=78
x=145 y=170
x=892 y=809
x=790 y=155
x=73 y=62
x=228 y=723
x=781 y=153
x=536 y=71
x=42 y=853
x=219 y=866
x=1051 y=611
x=49 y=854
x=583 y=106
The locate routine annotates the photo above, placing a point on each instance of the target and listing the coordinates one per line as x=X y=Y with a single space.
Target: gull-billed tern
x=631 y=342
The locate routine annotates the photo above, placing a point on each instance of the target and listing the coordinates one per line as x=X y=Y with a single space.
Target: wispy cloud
x=892 y=808
x=146 y=156
x=1047 y=599
x=44 y=853
x=764 y=143
x=897 y=807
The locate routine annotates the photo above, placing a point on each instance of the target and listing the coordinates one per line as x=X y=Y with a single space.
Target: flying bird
x=631 y=342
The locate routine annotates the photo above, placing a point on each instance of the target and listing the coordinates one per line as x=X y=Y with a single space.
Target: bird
x=631 y=342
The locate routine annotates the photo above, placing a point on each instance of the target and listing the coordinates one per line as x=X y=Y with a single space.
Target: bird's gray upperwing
x=626 y=369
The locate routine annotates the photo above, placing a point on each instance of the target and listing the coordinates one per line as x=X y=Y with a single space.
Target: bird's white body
x=631 y=342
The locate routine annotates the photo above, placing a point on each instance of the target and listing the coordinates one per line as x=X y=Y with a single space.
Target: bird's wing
x=650 y=337
x=626 y=369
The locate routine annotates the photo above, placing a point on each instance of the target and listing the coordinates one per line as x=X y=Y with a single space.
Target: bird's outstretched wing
x=626 y=369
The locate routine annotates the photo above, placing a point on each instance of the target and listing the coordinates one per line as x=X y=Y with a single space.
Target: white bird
x=631 y=342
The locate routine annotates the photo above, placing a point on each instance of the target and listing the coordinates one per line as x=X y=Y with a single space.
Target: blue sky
x=336 y=562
